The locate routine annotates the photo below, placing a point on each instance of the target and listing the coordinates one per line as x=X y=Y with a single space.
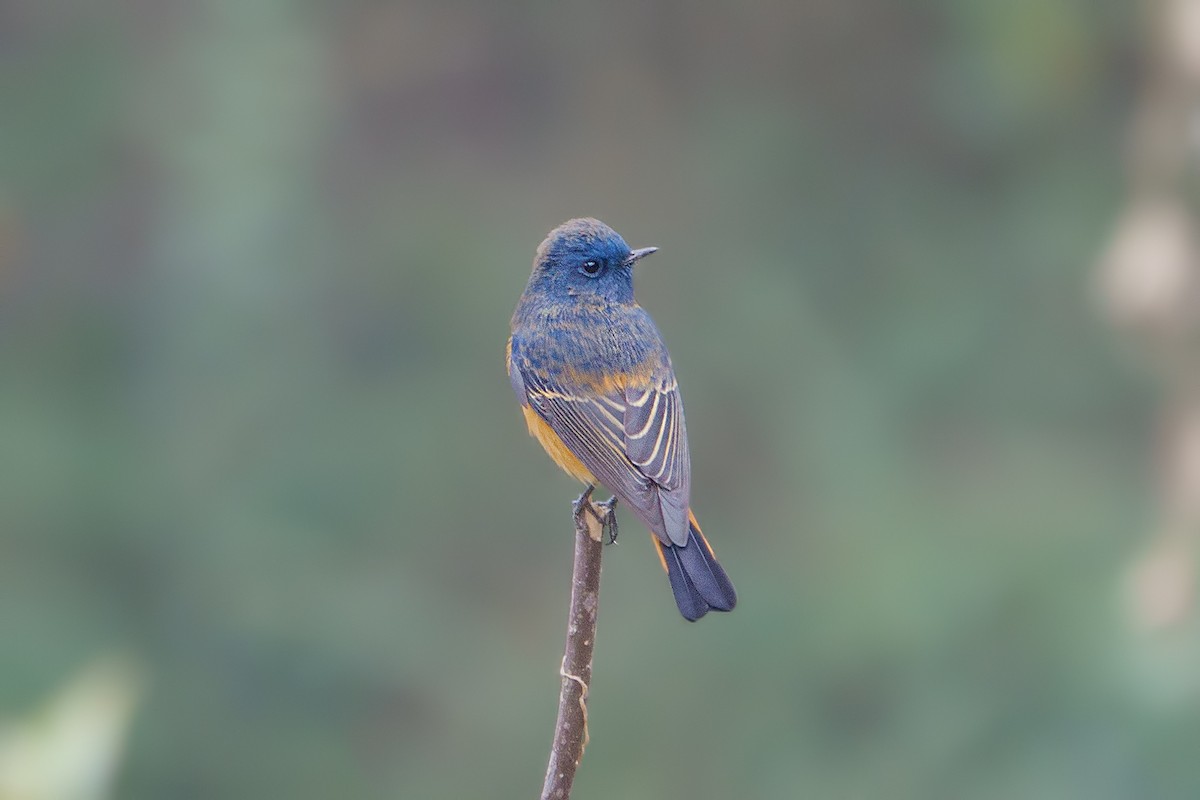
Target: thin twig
x=571 y=730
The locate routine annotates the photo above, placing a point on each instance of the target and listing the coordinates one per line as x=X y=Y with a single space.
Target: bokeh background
x=270 y=523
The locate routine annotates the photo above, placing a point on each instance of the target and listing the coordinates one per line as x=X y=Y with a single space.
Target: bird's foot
x=583 y=504
x=606 y=515
x=608 y=520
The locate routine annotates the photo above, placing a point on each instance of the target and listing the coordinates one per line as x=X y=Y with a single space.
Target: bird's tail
x=697 y=580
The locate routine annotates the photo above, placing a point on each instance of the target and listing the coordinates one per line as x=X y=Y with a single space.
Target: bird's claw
x=583 y=502
x=607 y=519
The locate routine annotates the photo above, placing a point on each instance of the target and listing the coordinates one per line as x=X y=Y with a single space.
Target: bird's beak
x=637 y=255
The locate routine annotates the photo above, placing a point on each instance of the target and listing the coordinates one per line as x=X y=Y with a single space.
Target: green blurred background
x=257 y=261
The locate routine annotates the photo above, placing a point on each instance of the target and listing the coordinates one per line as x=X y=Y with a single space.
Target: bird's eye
x=591 y=268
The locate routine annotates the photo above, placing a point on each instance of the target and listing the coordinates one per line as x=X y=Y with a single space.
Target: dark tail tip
x=698 y=582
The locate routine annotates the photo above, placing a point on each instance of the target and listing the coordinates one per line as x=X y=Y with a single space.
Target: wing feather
x=655 y=438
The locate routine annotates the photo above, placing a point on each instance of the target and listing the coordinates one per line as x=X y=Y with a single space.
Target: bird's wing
x=633 y=440
x=655 y=436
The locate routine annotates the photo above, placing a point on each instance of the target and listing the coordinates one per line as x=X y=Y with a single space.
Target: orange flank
x=554 y=447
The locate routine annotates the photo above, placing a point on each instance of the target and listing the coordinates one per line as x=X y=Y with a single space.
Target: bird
x=597 y=390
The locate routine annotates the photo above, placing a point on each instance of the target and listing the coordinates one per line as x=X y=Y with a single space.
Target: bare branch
x=571 y=729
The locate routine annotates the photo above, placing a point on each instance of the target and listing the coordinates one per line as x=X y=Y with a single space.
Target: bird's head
x=584 y=258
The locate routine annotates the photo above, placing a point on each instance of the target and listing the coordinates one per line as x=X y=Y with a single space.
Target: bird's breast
x=599 y=350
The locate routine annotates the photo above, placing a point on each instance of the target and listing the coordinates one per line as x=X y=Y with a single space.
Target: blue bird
x=597 y=390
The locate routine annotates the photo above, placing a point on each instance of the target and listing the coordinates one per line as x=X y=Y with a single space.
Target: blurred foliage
x=256 y=266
